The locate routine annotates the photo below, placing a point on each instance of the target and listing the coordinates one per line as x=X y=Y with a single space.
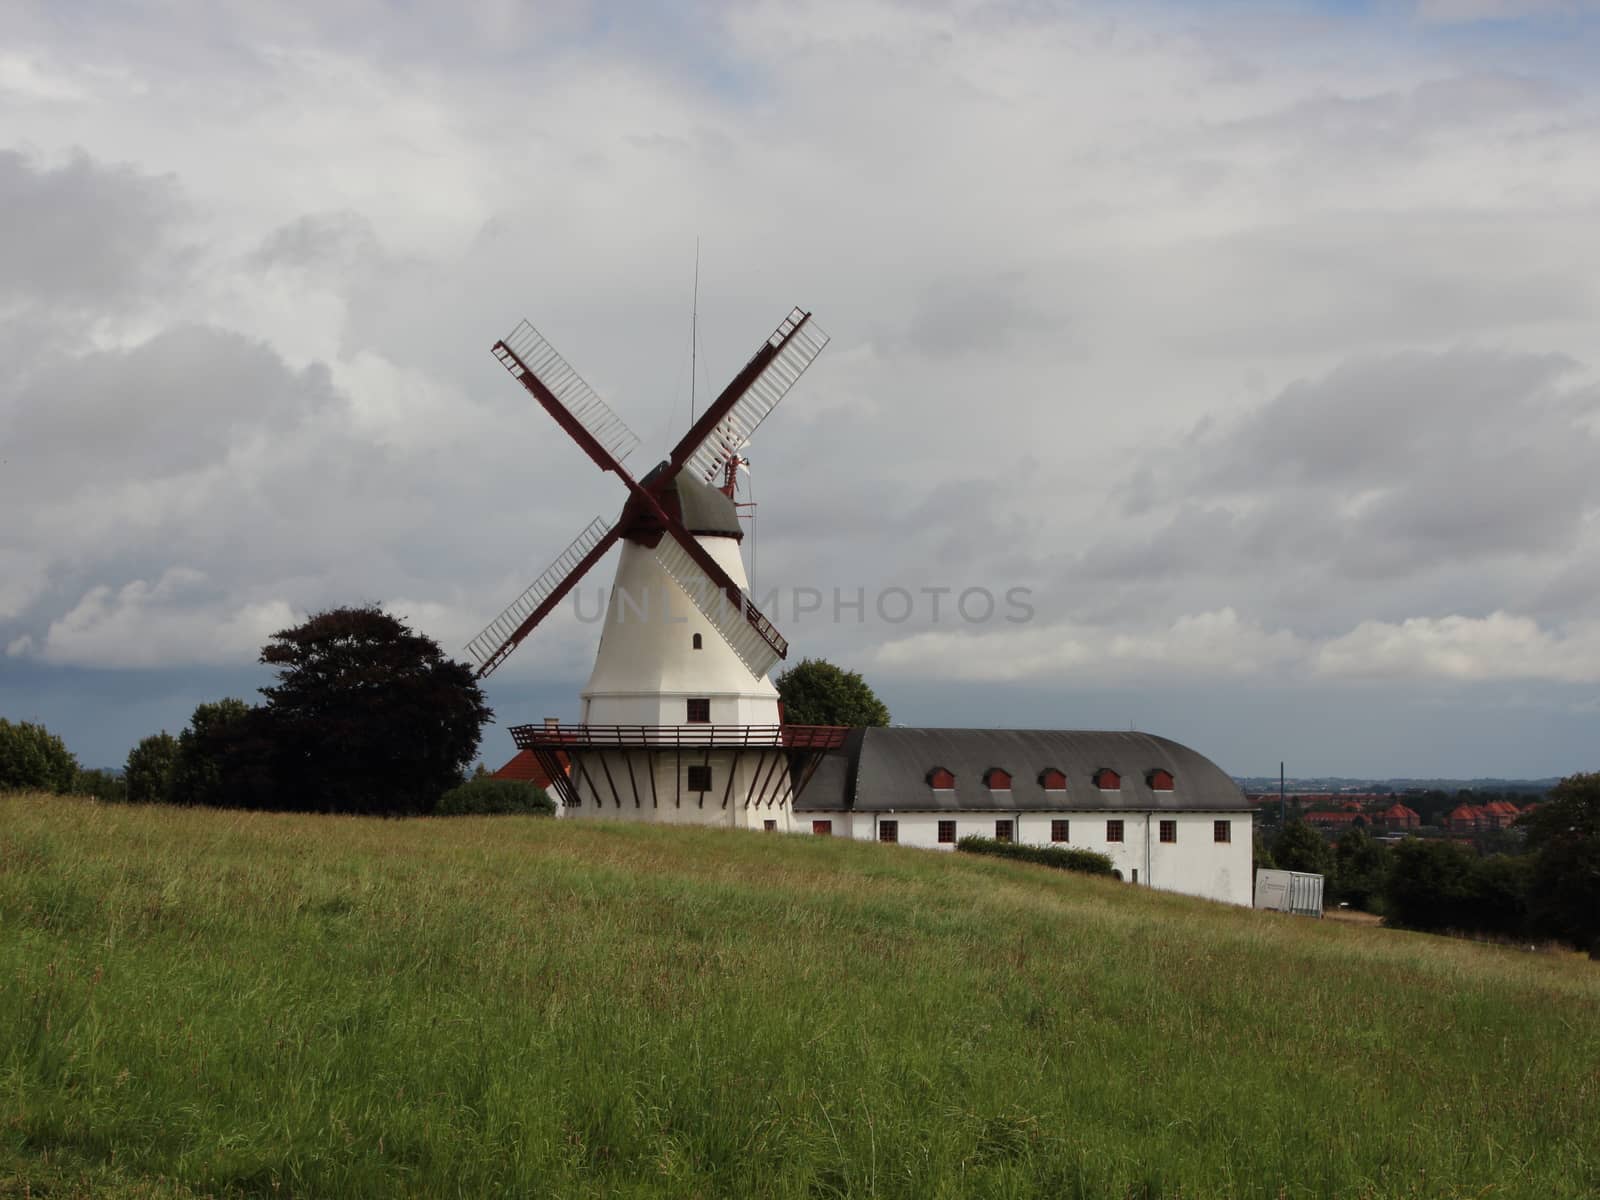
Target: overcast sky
x=1257 y=341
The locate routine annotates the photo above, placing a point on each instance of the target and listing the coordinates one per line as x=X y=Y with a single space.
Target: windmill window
x=769 y=827
x=1160 y=781
x=699 y=643
x=1113 y=831
x=1052 y=780
x=941 y=780
x=947 y=833
x=698 y=778
x=699 y=711
x=997 y=779
x=1169 y=831
x=822 y=828
x=1059 y=831
x=1107 y=780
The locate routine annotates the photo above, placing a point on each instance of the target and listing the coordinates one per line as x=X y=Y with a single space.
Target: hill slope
x=202 y=1002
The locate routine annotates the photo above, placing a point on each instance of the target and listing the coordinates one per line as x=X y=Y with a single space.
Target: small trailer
x=1297 y=892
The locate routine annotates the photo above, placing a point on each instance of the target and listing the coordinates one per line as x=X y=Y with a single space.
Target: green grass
x=209 y=1003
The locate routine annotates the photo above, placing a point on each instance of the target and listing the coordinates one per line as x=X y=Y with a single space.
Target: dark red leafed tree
x=367 y=716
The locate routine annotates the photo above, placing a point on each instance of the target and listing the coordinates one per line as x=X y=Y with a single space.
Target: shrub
x=1438 y=885
x=102 y=785
x=1062 y=858
x=33 y=757
x=484 y=796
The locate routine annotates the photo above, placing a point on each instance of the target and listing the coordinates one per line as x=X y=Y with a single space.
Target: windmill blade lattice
x=798 y=341
x=525 y=348
x=502 y=634
x=751 y=636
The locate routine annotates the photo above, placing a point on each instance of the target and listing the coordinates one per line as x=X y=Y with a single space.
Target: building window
x=1160 y=781
x=1052 y=780
x=941 y=780
x=698 y=643
x=769 y=827
x=699 y=712
x=822 y=828
x=1222 y=831
x=1113 y=831
x=888 y=831
x=1002 y=831
x=699 y=778
x=1059 y=830
x=1169 y=831
x=1107 y=780
x=1136 y=874
x=947 y=833
x=997 y=779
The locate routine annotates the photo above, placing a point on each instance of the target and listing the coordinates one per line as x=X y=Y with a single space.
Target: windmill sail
x=503 y=633
x=798 y=341
x=524 y=350
x=753 y=638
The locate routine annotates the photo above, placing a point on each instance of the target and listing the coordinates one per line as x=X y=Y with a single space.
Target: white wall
x=754 y=771
x=1195 y=864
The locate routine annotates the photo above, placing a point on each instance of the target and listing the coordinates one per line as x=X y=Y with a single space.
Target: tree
x=196 y=771
x=33 y=757
x=103 y=785
x=1298 y=847
x=1564 y=888
x=148 y=771
x=1358 y=869
x=367 y=716
x=815 y=692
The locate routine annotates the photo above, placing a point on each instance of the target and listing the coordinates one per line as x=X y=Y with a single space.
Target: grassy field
x=205 y=1003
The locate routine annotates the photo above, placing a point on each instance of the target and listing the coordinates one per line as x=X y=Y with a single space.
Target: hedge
x=1090 y=862
x=483 y=796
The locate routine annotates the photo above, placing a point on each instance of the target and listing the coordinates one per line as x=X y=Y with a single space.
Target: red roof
x=526 y=768
x=1399 y=811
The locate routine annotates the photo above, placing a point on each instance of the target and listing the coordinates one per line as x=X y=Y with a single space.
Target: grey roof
x=705 y=509
x=882 y=769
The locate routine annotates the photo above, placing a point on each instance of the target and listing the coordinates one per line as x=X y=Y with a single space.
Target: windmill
x=679 y=529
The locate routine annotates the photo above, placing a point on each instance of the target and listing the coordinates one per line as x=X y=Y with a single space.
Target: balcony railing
x=666 y=737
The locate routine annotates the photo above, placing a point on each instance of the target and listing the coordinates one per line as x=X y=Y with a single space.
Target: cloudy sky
x=1257 y=341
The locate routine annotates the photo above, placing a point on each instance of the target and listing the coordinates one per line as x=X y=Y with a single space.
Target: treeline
x=366 y=716
x=1551 y=891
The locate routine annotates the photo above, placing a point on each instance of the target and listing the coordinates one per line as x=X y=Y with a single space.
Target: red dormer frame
x=1160 y=780
x=1052 y=780
x=997 y=779
x=1107 y=780
x=940 y=780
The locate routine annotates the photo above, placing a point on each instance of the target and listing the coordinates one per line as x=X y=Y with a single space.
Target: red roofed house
x=1398 y=816
x=525 y=768
x=1343 y=819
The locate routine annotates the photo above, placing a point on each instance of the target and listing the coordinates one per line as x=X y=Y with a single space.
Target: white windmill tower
x=680 y=722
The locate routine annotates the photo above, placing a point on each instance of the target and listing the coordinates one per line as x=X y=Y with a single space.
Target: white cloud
x=1501 y=646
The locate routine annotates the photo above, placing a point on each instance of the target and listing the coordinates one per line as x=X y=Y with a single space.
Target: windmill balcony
x=665 y=737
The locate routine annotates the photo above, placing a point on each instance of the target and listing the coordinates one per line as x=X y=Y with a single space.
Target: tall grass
x=207 y=1003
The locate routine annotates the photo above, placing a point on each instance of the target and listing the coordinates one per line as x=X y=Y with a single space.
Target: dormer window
x=1107 y=780
x=1160 y=781
x=941 y=780
x=1052 y=780
x=997 y=779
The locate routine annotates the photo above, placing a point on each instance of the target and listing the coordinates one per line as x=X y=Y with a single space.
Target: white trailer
x=1298 y=892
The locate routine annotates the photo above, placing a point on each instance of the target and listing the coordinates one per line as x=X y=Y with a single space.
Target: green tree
x=148 y=771
x=1564 y=887
x=33 y=757
x=1359 y=864
x=367 y=716
x=103 y=785
x=815 y=692
x=196 y=769
x=1261 y=856
x=1298 y=847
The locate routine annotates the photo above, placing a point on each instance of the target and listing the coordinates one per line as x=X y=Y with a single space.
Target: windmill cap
x=701 y=508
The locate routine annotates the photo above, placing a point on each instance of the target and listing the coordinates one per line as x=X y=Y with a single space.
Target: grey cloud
x=84 y=235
